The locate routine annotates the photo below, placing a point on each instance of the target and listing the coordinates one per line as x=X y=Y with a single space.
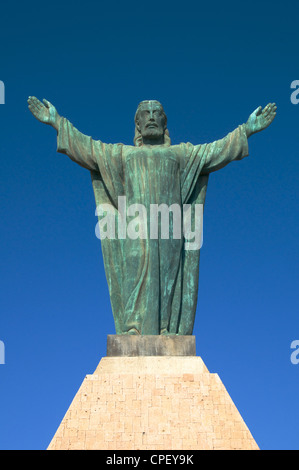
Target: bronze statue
x=153 y=282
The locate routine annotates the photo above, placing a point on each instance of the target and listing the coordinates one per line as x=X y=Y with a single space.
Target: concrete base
x=150 y=345
x=152 y=403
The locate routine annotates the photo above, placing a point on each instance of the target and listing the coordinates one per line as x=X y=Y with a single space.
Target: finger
x=266 y=110
x=47 y=103
x=270 y=107
x=35 y=111
x=32 y=105
x=257 y=111
x=274 y=107
x=31 y=100
x=38 y=103
x=35 y=102
x=271 y=116
x=271 y=111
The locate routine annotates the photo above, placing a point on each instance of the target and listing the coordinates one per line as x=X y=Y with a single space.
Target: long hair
x=138 y=137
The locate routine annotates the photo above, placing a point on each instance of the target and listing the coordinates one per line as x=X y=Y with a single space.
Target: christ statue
x=152 y=281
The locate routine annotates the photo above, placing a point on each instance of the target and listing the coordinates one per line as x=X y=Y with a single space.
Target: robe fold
x=153 y=282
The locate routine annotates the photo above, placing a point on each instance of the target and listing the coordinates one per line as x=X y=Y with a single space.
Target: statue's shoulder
x=184 y=147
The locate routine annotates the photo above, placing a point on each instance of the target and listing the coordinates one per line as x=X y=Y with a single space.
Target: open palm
x=261 y=118
x=45 y=112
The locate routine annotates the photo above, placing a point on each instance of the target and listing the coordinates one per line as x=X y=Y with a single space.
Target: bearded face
x=151 y=122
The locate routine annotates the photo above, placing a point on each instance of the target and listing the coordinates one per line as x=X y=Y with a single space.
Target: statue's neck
x=158 y=141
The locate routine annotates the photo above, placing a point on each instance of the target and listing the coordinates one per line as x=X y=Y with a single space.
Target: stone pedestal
x=141 y=397
x=150 y=345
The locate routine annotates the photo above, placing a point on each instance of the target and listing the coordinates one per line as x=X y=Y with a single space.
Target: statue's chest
x=151 y=160
x=152 y=171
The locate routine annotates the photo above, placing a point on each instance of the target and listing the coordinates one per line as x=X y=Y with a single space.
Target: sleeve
x=221 y=152
x=79 y=147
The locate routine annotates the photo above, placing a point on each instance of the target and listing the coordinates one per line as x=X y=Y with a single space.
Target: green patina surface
x=153 y=282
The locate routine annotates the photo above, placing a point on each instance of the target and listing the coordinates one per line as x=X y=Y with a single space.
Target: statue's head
x=151 y=124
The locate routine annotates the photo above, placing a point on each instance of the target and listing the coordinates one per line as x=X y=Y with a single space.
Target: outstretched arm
x=79 y=147
x=234 y=146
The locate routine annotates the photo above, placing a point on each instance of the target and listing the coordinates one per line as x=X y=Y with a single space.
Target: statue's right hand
x=45 y=112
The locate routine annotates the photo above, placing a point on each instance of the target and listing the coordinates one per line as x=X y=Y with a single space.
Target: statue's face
x=151 y=121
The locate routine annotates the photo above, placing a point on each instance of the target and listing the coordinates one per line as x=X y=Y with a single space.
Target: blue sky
x=210 y=64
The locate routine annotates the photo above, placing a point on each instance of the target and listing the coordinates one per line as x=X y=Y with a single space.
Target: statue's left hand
x=260 y=119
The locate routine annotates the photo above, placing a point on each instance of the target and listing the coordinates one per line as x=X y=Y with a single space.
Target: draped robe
x=153 y=283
